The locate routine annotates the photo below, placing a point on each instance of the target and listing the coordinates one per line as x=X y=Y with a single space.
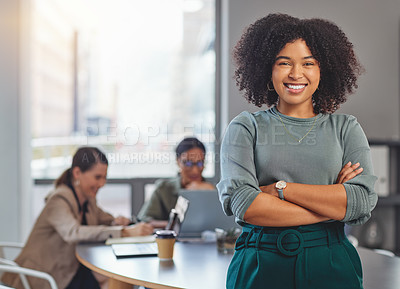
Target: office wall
x=14 y=125
x=372 y=26
x=9 y=207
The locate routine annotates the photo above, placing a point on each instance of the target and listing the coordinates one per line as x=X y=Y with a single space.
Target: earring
x=269 y=89
x=77 y=183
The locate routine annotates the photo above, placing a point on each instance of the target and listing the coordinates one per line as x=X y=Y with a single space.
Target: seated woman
x=70 y=216
x=190 y=155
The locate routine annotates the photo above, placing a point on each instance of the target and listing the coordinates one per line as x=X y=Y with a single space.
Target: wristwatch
x=280 y=186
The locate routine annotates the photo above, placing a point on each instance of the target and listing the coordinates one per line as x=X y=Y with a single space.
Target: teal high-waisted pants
x=317 y=256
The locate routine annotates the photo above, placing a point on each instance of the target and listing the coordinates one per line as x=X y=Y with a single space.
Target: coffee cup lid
x=165 y=234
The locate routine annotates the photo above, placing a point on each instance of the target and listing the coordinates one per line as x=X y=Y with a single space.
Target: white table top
x=197 y=265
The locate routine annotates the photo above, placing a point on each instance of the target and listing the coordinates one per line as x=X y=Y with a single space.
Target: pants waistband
x=290 y=241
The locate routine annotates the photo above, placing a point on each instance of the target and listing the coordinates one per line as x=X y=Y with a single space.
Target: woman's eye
x=309 y=63
x=284 y=63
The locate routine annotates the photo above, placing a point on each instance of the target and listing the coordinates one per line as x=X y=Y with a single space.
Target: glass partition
x=132 y=77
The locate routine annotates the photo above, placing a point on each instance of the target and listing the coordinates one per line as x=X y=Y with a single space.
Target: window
x=132 y=77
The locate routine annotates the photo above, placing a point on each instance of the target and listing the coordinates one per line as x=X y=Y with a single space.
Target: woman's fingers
x=348 y=172
x=139 y=229
x=342 y=173
x=121 y=221
x=145 y=229
x=352 y=174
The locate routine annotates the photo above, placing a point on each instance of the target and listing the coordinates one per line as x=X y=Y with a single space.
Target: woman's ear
x=178 y=162
x=76 y=172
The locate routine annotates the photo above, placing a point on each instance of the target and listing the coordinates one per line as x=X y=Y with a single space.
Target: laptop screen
x=204 y=213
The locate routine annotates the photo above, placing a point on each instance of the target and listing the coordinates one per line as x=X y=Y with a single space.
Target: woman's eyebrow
x=288 y=58
x=282 y=57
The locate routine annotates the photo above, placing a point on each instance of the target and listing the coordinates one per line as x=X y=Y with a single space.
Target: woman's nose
x=102 y=182
x=296 y=72
x=197 y=169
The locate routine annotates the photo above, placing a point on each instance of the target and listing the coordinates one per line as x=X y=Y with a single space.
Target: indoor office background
x=373 y=27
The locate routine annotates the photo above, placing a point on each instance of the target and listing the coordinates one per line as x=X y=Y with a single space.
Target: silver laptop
x=204 y=212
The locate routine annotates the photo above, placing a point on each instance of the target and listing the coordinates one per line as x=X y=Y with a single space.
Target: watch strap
x=280 y=192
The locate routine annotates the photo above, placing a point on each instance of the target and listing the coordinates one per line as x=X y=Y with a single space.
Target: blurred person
x=190 y=155
x=70 y=216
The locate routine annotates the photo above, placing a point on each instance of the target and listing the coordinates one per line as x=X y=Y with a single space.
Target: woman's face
x=191 y=164
x=91 y=180
x=295 y=76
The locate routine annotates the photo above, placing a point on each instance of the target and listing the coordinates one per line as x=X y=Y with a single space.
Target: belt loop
x=306 y=266
x=260 y=234
x=339 y=232
x=246 y=242
x=328 y=236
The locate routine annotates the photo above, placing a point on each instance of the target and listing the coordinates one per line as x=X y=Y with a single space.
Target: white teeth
x=291 y=86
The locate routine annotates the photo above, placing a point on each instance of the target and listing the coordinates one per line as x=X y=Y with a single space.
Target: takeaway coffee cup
x=165 y=241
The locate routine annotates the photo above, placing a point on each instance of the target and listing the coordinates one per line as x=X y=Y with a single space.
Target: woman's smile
x=295 y=88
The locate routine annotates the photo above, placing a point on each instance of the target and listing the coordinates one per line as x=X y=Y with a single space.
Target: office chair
x=27 y=272
x=385 y=252
x=9 y=245
x=7 y=262
x=353 y=240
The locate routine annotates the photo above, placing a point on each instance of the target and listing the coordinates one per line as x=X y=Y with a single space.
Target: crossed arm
x=304 y=204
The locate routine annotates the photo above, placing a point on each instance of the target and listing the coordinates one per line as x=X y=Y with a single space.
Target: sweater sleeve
x=61 y=218
x=238 y=186
x=361 y=196
x=103 y=217
x=152 y=209
x=161 y=201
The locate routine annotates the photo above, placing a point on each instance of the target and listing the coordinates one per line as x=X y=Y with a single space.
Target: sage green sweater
x=257 y=150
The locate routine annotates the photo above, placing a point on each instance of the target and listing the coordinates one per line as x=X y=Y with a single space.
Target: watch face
x=281 y=185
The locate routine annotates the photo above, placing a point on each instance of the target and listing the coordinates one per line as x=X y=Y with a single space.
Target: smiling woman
x=291 y=196
x=71 y=215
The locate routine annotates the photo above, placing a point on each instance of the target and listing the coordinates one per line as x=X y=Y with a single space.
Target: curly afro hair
x=259 y=45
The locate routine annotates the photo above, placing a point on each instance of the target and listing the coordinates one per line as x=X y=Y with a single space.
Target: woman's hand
x=139 y=229
x=121 y=221
x=200 y=186
x=158 y=224
x=348 y=172
x=270 y=189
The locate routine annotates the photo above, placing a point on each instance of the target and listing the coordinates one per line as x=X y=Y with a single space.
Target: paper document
x=131 y=240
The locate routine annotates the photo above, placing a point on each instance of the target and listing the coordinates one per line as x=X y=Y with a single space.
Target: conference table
x=200 y=265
